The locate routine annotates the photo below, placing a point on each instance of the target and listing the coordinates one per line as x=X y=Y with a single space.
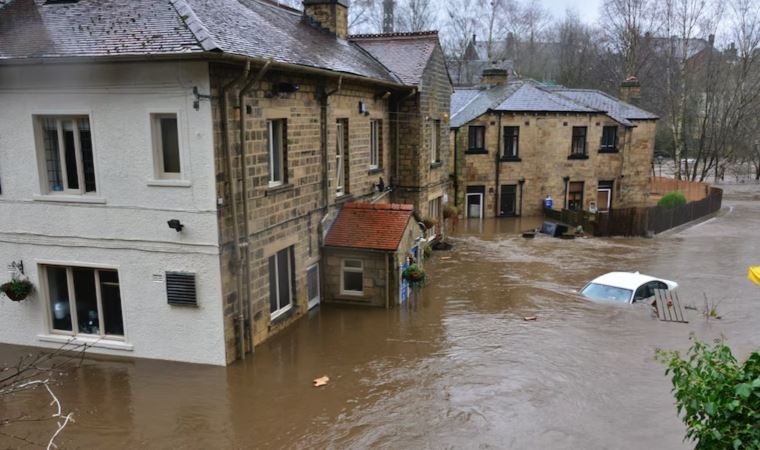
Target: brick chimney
x=630 y=90
x=329 y=14
x=494 y=76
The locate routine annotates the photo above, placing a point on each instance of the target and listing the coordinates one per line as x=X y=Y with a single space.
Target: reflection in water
x=456 y=367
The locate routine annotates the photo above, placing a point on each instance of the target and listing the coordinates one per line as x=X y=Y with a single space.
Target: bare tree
x=416 y=15
x=365 y=16
x=37 y=372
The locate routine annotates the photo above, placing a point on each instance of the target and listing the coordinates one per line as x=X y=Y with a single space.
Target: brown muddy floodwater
x=456 y=368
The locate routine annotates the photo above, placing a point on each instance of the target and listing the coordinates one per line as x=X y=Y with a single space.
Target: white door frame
x=609 y=198
x=313 y=302
x=467 y=204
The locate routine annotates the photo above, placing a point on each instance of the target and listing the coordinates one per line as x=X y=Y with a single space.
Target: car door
x=643 y=292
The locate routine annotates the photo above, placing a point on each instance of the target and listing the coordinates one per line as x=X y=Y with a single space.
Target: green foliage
x=717 y=397
x=17 y=289
x=427 y=251
x=414 y=275
x=672 y=200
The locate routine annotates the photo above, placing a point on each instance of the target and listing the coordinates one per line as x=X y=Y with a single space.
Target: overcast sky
x=587 y=9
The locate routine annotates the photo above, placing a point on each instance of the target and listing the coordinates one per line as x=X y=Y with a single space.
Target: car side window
x=642 y=292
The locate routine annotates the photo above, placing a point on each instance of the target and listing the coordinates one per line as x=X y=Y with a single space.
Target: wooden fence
x=639 y=221
x=692 y=190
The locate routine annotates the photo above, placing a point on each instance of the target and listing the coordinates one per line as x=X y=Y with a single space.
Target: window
x=477 y=138
x=511 y=143
x=67 y=145
x=434 y=208
x=575 y=196
x=435 y=144
x=609 y=139
x=281 y=282
x=166 y=146
x=375 y=147
x=341 y=158
x=84 y=301
x=579 y=141
x=352 y=277
x=276 y=132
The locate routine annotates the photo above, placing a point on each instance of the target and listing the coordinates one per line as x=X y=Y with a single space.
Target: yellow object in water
x=754 y=274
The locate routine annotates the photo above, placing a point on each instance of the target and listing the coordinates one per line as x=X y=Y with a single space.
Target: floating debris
x=322 y=381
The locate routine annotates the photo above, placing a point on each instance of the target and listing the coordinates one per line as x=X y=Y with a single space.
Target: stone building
x=171 y=168
x=517 y=142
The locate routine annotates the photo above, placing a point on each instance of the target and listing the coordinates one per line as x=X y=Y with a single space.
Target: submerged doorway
x=475 y=200
x=604 y=196
x=508 y=200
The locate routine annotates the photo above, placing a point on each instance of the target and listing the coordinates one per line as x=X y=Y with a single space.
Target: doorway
x=508 y=200
x=312 y=285
x=604 y=196
x=475 y=196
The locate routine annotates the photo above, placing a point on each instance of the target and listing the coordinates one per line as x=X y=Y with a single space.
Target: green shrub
x=672 y=200
x=717 y=397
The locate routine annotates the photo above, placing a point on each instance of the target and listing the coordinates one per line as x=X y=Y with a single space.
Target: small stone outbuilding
x=367 y=250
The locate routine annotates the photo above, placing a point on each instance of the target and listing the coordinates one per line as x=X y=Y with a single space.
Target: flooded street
x=458 y=367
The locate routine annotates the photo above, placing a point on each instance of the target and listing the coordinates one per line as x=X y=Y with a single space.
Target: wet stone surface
x=457 y=367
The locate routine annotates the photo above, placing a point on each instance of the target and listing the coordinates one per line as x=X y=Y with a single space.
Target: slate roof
x=369 y=226
x=528 y=96
x=253 y=28
x=404 y=54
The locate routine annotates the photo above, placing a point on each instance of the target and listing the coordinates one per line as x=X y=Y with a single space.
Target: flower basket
x=16 y=289
x=429 y=223
x=450 y=212
x=414 y=275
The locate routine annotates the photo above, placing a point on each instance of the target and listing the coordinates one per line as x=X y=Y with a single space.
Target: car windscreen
x=598 y=291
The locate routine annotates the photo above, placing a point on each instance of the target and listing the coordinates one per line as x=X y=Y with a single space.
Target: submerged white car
x=625 y=287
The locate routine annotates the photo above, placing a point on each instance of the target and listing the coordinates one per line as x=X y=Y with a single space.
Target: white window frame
x=291 y=278
x=158 y=151
x=276 y=179
x=38 y=120
x=314 y=302
x=374 y=144
x=340 y=160
x=43 y=270
x=344 y=269
x=435 y=132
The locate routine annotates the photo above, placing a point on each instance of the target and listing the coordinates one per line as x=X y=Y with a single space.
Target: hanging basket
x=17 y=290
x=414 y=275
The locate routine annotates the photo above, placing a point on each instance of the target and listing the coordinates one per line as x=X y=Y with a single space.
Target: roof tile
x=370 y=226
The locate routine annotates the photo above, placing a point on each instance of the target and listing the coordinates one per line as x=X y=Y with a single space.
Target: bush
x=672 y=200
x=427 y=251
x=718 y=398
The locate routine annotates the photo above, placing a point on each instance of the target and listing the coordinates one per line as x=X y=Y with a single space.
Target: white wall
x=126 y=226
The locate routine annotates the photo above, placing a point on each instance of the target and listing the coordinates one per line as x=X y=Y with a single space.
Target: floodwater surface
x=456 y=367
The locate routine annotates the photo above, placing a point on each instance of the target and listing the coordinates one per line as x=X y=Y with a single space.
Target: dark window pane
x=87 y=301
x=52 y=155
x=58 y=292
x=312 y=277
x=88 y=162
x=110 y=299
x=273 y=284
x=353 y=281
x=283 y=276
x=170 y=144
x=70 y=155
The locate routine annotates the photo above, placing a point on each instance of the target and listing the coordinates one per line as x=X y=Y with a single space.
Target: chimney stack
x=630 y=90
x=331 y=15
x=389 y=7
x=494 y=77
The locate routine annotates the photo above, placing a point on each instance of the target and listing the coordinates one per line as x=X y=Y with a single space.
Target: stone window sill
x=511 y=159
x=170 y=183
x=282 y=316
x=476 y=151
x=278 y=189
x=578 y=156
x=54 y=198
x=436 y=164
x=375 y=171
x=343 y=198
x=89 y=341
x=608 y=150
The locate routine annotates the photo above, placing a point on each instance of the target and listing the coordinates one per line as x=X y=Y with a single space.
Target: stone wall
x=544 y=147
x=418 y=179
x=291 y=214
x=375 y=275
x=332 y=16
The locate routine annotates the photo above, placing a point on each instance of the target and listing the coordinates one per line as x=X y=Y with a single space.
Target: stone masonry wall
x=288 y=215
x=544 y=147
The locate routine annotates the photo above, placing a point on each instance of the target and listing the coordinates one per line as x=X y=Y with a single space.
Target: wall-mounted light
x=521 y=181
x=175 y=224
x=565 y=179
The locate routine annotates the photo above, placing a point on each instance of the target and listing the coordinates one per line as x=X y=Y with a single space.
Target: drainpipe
x=246 y=297
x=233 y=193
x=387 y=282
x=498 y=169
x=456 y=167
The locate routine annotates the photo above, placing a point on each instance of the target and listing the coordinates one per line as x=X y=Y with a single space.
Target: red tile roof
x=369 y=226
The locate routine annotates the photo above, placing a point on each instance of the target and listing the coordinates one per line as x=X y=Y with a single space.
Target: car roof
x=626 y=280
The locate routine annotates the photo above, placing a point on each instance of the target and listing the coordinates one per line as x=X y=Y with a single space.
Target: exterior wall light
x=175 y=224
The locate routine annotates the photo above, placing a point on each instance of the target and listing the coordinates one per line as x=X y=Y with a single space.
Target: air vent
x=180 y=289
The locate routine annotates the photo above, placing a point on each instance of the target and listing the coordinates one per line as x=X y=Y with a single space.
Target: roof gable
x=369 y=226
x=405 y=54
